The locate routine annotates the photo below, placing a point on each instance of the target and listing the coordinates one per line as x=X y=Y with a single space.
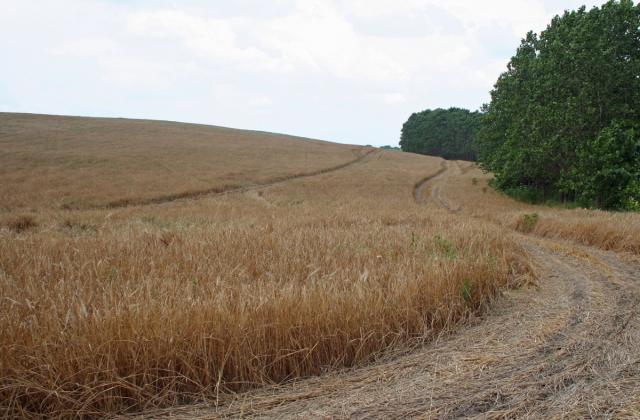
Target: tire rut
x=223 y=190
x=421 y=187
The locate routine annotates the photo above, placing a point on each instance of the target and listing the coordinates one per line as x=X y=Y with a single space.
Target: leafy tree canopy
x=448 y=133
x=564 y=119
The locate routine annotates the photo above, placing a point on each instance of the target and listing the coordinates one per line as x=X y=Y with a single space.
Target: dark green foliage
x=387 y=147
x=448 y=133
x=564 y=119
x=606 y=174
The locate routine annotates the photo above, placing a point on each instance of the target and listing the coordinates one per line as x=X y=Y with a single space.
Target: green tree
x=449 y=133
x=607 y=171
x=566 y=106
x=388 y=147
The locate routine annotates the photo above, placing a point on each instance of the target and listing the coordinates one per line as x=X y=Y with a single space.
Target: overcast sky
x=350 y=71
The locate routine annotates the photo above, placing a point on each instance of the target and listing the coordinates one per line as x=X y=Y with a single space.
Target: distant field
x=129 y=282
x=54 y=162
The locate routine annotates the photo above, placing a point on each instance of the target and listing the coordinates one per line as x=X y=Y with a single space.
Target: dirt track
x=567 y=347
x=221 y=191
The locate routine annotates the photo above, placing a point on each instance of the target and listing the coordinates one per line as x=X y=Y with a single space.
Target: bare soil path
x=449 y=168
x=568 y=347
x=425 y=183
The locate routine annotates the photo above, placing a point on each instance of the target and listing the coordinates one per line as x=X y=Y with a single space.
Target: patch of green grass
x=465 y=290
x=156 y=222
x=445 y=247
x=414 y=240
x=528 y=222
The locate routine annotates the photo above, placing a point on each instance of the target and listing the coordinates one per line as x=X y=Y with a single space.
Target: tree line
x=564 y=119
x=448 y=133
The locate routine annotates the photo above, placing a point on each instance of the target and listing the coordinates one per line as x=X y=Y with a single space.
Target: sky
x=349 y=71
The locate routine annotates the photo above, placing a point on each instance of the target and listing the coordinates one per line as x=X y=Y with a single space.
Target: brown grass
x=119 y=310
x=605 y=230
x=20 y=223
x=138 y=317
x=71 y=162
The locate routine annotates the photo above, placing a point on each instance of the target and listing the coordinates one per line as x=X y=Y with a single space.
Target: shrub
x=21 y=223
x=528 y=222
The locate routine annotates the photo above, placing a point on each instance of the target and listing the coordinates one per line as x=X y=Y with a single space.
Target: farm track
x=422 y=185
x=225 y=190
x=564 y=348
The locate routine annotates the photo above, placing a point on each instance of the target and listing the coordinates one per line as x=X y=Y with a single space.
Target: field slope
x=168 y=269
x=63 y=162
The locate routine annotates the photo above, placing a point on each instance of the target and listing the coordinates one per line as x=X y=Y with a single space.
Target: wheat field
x=468 y=188
x=79 y=163
x=320 y=259
x=316 y=258
x=127 y=286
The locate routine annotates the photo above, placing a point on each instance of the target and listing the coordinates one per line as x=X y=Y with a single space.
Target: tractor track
x=423 y=185
x=223 y=190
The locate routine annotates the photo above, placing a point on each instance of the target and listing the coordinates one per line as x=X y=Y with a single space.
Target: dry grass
x=565 y=349
x=131 y=318
x=20 y=223
x=116 y=310
x=605 y=230
x=54 y=162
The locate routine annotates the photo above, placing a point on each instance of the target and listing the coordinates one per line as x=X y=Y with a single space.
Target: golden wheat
x=602 y=229
x=115 y=310
x=72 y=162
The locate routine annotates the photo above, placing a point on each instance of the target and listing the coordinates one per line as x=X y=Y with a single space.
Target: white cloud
x=260 y=101
x=393 y=98
x=520 y=15
x=382 y=8
x=313 y=37
x=90 y=46
x=214 y=39
x=319 y=40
